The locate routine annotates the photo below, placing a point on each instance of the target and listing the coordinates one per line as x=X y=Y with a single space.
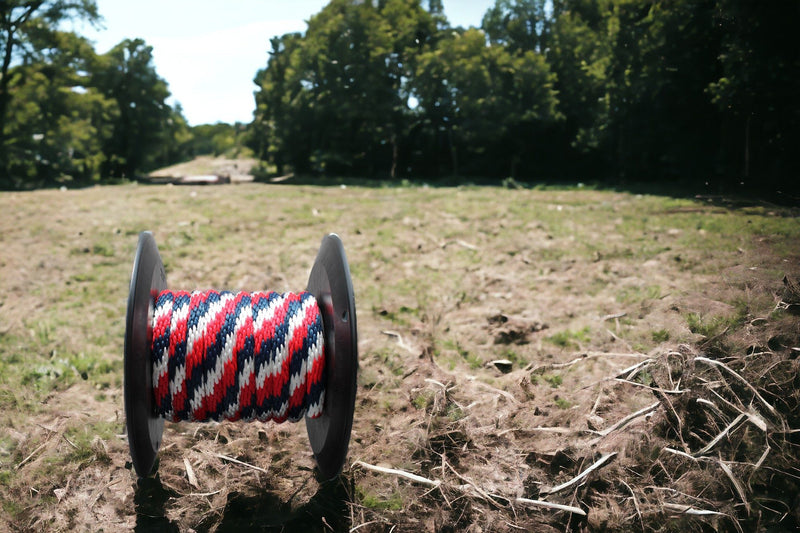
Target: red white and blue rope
x=249 y=356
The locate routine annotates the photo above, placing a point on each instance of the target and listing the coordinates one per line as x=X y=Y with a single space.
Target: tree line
x=699 y=91
x=71 y=115
x=662 y=91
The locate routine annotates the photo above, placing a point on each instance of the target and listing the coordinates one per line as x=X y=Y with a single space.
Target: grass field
x=631 y=357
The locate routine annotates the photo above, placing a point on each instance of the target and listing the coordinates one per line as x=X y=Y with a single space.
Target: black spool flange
x=330 y=283
x=144 y=427
x=332 y=287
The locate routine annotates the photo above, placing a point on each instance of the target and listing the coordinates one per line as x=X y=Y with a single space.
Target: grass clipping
x=718 y=448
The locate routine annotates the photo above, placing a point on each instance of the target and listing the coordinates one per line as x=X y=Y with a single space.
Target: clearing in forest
x=630 y=358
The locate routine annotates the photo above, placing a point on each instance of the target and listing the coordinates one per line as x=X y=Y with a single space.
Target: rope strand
x=249 y=356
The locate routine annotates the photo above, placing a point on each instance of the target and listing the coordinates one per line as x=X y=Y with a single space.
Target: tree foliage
x=661 y=91
x=70 y=114
x=127 y=76
x=702 y=91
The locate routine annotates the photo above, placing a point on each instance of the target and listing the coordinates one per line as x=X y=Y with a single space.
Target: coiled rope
x=237 y=356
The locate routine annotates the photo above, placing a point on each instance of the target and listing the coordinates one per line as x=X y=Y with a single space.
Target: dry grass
x=530 y=360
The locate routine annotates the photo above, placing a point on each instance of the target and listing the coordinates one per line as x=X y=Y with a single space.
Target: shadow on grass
x=327 y=510
x=150 y=503
x=730 y=196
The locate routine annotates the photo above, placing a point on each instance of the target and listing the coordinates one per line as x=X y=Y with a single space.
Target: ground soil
x=495 y=327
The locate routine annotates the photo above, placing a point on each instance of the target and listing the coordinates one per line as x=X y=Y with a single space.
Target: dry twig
x=736 y=485
x=635 y=502
x=733 y=425
x=740 y=378
x=625 y=421
x=600 y=462
x=400 y=341
x=470 y=487
x=654 y=389
x=32 y=454
x=241 y=463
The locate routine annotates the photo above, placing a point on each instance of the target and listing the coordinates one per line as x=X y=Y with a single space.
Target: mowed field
x=630 y=358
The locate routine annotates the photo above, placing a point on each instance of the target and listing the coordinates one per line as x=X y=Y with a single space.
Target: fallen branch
x=399 y=473
x=618 y=354
x=541 y=369
x=635 y=501
x=680 y=453
x=190 y=473
x=203 y=494
x=439 y=383
x=629 y=418
x=688 y=509
x=627 y=372
x=99 y=492
x=505 y=394
x=712 y=406
x=582 y=357
x=654 y=389
x=633 y=370
x=241 y=463
x=459 y=242
x=468 y=488
x=600 y=462
x=548 y=505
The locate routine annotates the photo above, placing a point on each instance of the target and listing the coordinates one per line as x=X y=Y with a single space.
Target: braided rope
x=249 y=356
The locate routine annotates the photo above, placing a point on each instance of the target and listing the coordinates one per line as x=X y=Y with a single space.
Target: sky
x=210 y=54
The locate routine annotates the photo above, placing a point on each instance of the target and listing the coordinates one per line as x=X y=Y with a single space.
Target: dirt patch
x=224 y=169
x=605 y=309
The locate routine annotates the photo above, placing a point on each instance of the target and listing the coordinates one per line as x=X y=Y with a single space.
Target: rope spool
x=262 y=356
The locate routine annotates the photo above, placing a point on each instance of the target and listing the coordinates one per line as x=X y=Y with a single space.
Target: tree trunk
x=453 y=152
x=395 y=154
x=4 y=98
x=747 y=147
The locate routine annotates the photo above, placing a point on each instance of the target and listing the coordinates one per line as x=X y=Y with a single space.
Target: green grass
x=569 y=338
x=65 y=292
x=423 y=400
x=375 y=502
x=562 y=403
x=555 y=380
x=453 y=347
x=639 y=294
x=402 y=316
x=85 y=441
x=713 y=325
x=660 y=335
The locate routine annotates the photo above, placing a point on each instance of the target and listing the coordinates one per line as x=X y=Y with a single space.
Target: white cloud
x=211 y=74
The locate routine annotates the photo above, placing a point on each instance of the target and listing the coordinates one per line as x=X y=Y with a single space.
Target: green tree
x=126 y=74
x=219 y=139
x=336 y=99
x=56 y=121
x=492 y=105
x=24 y=26
x=283 y=125
x=405 y=30
x=661 y=118
x=580 y=54
x=177 y=140
x=756 y=92
x=519 y=25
